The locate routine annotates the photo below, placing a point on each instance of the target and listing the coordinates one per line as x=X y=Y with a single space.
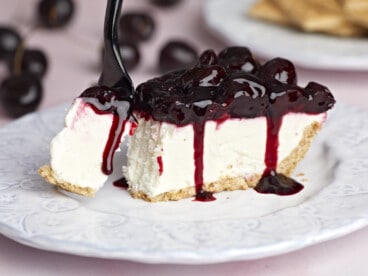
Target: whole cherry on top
x=21 y=91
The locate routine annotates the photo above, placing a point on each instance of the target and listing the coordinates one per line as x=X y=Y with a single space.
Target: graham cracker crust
x=225 y=184
x=286 y=167
x=47 y=174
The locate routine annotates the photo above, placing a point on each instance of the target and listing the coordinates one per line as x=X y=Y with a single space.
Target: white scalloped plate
x=230 y=22
x=113 y=225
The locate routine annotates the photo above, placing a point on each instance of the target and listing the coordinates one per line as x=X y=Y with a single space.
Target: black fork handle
x=114 y=75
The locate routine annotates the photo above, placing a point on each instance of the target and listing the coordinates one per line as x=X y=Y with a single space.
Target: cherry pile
x=139 y=27
x=21 y=91
x=230 y=84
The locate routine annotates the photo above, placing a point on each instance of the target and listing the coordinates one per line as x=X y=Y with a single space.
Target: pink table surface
x=74 y=56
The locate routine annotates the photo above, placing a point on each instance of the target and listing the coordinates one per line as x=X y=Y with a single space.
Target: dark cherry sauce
x=233 y=85
x=220 y=121
x=198 y=145
x=204 y=196
x=160 y=165
x=271 y=181
x=133 y=127
x=121 y=183
x=279 y=184
x=272 y=143
x=112 y=144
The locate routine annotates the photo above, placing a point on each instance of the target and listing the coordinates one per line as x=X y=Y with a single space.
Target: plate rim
x=321 y=62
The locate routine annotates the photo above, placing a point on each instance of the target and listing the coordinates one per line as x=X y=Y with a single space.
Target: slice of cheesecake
x=82 y=152
x=226 y=124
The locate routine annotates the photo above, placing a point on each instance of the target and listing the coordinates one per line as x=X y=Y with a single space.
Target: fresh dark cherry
x=129 y=53
x=136 y=27
x=278 y=69
x=238 y=59
x=20 y=94
x=9 y=42
x=165 y=3
x=55 y=13
x=176 y=55
x=33 y=61
x=208 y=57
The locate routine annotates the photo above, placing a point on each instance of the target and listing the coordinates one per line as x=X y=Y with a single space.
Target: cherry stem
x=19 y=52
x=18 y=57
x=114 y=75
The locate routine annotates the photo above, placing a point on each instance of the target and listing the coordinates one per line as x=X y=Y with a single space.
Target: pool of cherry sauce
x=233 y=84
x=121 y=183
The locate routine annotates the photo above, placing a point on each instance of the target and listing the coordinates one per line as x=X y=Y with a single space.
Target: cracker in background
x=347 y=29
x=357 y=11
x=326 y=5
x=308 y=15
x=268 y=11
x=311 y=17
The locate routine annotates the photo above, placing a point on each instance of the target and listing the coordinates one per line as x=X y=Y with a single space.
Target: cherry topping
x=165 y=3
x=176 y=55
x=238 y=59
x=278 y=69
x=20 y=94
x=208 y=57
x=212 y=91
x=321 y=95
x=55 y=13
x=201 y=83
x=136 y=27
x=287 y=98
x=9 y=42
x=244 y=94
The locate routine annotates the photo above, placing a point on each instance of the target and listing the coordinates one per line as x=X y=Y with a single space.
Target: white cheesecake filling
x=77 y=150
x=161 y=155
